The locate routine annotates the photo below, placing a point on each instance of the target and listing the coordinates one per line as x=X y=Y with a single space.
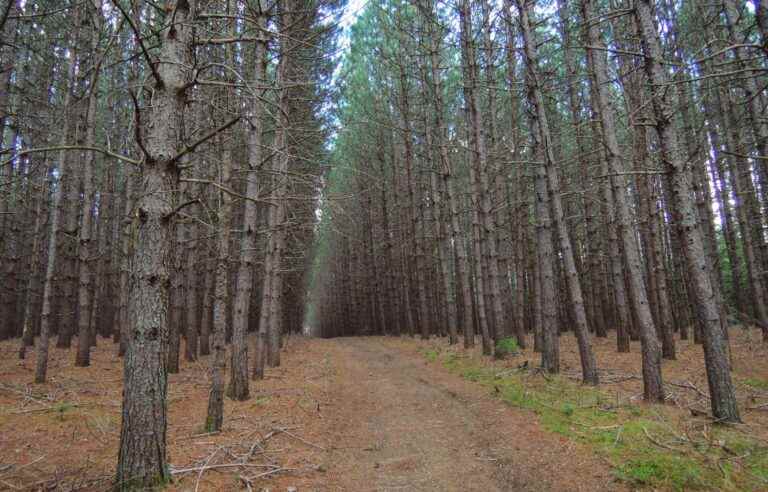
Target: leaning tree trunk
x=722 y=396
x=549 y=194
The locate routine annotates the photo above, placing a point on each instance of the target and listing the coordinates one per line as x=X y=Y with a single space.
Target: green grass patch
x=757 y=383
x=262 y=400
x=506 y=347
x=431 y=354
x=648 y=446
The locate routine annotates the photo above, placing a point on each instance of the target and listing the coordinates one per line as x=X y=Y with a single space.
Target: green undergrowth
x=757 y=383
x=648 y=446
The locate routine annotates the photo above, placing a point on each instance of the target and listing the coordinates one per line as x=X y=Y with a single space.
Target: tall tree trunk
x=28 y=331
x=126 y=248
x=452 y=227
x=722 y=395
x=142 y=457
x=83 y=358
x=653 y=389
x=192 y=318
x=41 y=364
x=518 y=209
x=215 y=416
x=478 y=160
x=548 y=194
x=238 y=384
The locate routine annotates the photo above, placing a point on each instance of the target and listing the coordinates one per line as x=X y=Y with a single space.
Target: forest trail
x=344 y=414
x=401 y=423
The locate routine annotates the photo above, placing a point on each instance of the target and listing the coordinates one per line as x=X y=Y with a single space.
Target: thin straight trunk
x=238 y=386
x=278 y=213
x=723 y=197
x=649 y=214
x=390 y=254
x=206 y=318
x=653 y=388
x=739 y=181
x=215 y=416
x=491 y=221
x=41 y=364
x=28 y=332
x=735 y=17
x=478 y=161
x=192 y=318
x=518 y=208
x=412 y=210
x=126 y=249
x=452 y=233
x=83 y=358
x=573 y=90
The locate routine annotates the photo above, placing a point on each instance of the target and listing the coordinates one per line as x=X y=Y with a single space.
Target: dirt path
x=400 y=423
x=359 y=414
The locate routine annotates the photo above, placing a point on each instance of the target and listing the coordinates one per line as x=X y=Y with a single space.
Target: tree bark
x=83 y=358
x=215 y=416
x=722 y=397
x=548 y=195
x=653 y=388
x=238 y=384
x=142 y=457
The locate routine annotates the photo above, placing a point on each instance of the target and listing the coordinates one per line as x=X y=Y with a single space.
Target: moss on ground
x=647 y=445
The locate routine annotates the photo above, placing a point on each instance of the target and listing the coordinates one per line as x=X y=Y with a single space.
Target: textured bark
x=518 y=207
x=238 y=385
x=142 y=457
x=573 y=90
x=66 y=269
x=451 y=231
x=177 y=295
x=8 y=247
x=549 y=194
x=54 y=231
x=206 y=318
x=492 y=221
x=278 y=213
x=126 y=248
x=653 y=389
x=28 y=333
x=722 y=395
x=738 y=32
x=192 y=316
x=739 y=175
x=722 y=192
x=416 y=246
x=546 y=312
x=478 y=161
x=41 y=366
x=83 y=358
x=215 y=416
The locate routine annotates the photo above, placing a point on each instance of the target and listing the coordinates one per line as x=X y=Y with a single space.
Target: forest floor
x=397 y=414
